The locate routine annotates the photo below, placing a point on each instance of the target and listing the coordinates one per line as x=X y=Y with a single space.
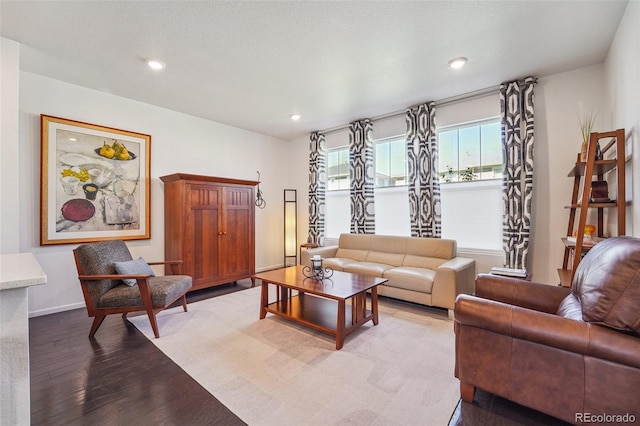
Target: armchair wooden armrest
x=526 y=294
x=113 y=277
x=175 y=265
x=166 y=262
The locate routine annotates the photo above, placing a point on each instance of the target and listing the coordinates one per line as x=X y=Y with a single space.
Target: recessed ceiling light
x=156 y=65
x=295 y=117
x=457 y=62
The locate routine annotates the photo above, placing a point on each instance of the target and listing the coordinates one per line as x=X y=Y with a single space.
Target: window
x=470 y=167
x=390 y=156
x=338 y=169
x=337 y=202
x=470 y=152
x=391 y=206
x=391 y=162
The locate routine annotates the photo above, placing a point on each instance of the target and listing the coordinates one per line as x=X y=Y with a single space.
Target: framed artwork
x=94 y=183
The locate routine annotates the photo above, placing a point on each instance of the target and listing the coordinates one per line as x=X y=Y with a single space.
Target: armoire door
x=237 y=247
x=203 y=233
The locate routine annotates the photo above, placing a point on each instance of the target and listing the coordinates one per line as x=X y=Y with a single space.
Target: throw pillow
x=138 y=266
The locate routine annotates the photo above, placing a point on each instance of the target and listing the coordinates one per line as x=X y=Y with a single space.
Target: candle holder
x=316 y=270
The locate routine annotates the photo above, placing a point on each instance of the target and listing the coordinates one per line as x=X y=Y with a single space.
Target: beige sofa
x=420 y=270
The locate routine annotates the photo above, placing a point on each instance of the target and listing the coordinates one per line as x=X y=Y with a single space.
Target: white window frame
x=457 y=171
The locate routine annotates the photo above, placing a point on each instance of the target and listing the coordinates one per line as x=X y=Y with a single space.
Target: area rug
x=274 y=372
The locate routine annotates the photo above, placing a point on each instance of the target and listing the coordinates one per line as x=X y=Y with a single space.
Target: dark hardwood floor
x=118 y=378
x=121 y=378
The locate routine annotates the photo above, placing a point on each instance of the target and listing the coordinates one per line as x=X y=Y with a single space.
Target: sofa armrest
x=455 y=276
x=324 y=252
x=547 y=329
x=526 y=294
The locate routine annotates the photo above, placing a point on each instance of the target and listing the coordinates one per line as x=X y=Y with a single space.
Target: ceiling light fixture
x=295 y=117
x=156 y=65
x=456 y=63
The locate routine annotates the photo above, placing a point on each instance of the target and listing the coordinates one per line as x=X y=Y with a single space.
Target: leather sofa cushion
x=355 y=254
x=416 y=279
x=337 y=263
x=432 y=247
x=607 y=284
x=367 y=268
x=394 y=259
x=355 y=241
x=412 y=261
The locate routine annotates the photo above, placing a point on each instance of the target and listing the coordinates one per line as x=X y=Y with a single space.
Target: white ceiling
x=251 y=64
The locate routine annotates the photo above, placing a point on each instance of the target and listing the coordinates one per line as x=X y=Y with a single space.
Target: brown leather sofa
x=573 y=354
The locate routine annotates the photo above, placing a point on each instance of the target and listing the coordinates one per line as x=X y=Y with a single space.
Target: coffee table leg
x=374 y=305
x=264 y=299
x=340 y=324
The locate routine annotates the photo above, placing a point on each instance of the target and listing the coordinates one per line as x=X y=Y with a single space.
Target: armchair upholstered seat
x=569 y=353
x=105 y=292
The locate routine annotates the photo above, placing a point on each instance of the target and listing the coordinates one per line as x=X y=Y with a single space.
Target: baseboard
x=269 y=268
x=56 y=309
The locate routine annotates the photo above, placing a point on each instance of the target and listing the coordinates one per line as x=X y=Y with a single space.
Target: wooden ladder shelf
x=583 y=173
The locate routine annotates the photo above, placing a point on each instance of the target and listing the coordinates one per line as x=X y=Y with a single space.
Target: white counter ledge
x=20 y=270
x=17 y=273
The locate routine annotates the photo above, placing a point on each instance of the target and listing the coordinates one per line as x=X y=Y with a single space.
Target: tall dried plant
x=586 y=121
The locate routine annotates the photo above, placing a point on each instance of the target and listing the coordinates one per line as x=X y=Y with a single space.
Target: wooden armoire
x=209 y=223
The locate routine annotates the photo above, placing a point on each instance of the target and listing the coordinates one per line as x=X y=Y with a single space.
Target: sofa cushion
x=355 y=241
x=422 y=262
x=355 y=254
x=607 y=284
x=432 y=247
x=367 y=268
x=337 y=263
x=416 y=279
x=393 y=259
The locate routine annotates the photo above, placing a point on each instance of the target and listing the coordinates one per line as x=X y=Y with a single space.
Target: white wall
x=9 y=85
x=557 y=100
x=622 y=95
x=180 y=143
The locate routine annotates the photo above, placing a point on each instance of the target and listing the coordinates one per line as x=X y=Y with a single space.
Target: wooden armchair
x=105 y=293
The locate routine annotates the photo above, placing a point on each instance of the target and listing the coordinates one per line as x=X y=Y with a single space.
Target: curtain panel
x=317 y=186
x=424 y=181
x=362 y=177
x=516 y=104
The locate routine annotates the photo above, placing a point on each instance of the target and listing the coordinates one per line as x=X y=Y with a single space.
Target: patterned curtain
x=362 y=177
x=516 y=103
x=424 y=181
x=317 y=186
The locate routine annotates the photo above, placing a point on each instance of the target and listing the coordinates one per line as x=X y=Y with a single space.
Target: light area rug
x=275 y=372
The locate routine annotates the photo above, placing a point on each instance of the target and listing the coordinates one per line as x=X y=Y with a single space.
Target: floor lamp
x=290 y=227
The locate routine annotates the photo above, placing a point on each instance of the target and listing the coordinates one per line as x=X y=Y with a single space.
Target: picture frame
x=89 y=192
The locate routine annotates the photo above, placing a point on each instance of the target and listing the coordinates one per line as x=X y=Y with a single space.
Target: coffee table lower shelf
x=316 y=312
x=323 y=314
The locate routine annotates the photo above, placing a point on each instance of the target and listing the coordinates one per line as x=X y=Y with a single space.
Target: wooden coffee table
x=321 y=305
